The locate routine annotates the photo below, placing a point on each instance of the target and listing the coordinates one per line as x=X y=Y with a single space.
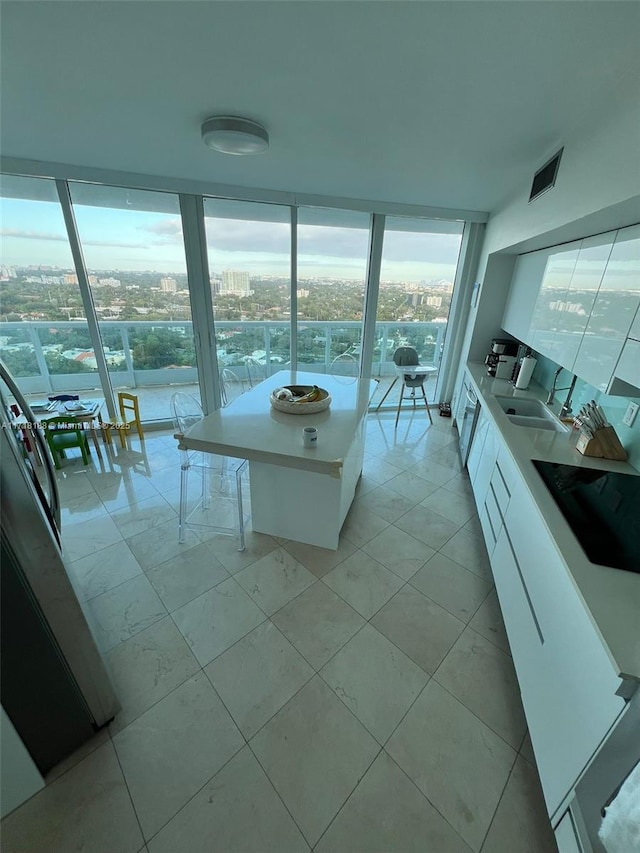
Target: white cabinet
x=574 y=312
x=523 y=293
x=628 y=369
x=552 y=297
x=566 y=679
x=567 y=837
x=614 y=310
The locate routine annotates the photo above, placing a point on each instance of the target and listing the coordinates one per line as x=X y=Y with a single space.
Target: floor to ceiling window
x=249 y=252
x=134 y=254
x=44 y=338
x=333 y=249
x=418 y=270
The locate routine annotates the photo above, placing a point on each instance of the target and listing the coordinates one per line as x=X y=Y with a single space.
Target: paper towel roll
x=526 y=369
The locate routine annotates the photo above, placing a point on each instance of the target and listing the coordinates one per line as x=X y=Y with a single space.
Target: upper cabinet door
x=523 y=293
x=552 y=298
x=613 y=312
x=573 y=314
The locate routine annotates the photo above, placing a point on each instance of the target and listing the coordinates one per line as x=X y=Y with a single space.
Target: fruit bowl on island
x=300 y=399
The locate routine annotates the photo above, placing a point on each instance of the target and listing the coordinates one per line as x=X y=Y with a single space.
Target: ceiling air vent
x=545 y=177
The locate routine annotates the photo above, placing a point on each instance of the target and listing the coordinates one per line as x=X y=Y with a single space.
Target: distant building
x=109 y=282
x=236 y=282
x=434 y=301
x=168 y=285
x=71 y=278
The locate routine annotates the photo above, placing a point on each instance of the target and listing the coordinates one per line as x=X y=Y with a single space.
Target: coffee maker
x=502 y=358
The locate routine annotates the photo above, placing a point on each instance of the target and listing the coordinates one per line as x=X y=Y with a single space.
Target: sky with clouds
x=33 y=233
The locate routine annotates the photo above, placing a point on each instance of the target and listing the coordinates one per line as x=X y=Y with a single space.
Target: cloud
x=168 y=231
x=62 y=238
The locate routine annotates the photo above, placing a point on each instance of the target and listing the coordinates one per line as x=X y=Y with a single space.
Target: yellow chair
x=128 y=403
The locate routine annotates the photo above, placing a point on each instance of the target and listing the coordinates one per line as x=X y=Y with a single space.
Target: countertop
x=250 y=429
x=611 y=596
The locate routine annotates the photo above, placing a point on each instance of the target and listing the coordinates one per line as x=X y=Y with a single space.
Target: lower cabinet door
x=567 y=683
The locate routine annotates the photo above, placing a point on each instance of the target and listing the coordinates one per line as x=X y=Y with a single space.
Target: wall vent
x=545 y=177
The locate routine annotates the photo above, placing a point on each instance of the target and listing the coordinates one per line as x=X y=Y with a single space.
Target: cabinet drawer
x=493 y=509
x=488 y=527
x=567 y=837
x=501 y=491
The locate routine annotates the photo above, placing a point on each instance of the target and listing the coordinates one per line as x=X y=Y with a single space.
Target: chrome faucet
x=566 y=406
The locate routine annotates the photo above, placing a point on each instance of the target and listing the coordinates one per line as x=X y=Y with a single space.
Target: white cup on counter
x=309 y=436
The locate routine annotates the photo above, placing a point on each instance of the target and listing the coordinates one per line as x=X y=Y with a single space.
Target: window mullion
x=85 y=293
x=195 y=246
x=371 y=294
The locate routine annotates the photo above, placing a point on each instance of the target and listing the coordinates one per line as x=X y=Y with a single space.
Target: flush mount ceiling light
x=234 y=135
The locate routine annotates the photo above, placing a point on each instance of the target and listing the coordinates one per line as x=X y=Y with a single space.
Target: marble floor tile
x=435 y=472
x=375 y=469
x=386 y=503
x=155 y=546
x=361 y=525
x=147 y=667
x=124 y=491
x=375 y=680
x=146 y=514
x=318 y=623
x=488 y=621
x=386 y=812
x=314 y=751
x=482 y=677
x=398 y=551
x=526 y=750
x=82 y=508
x=225 y=548
x=171 y=750
x=257 y=675
x=363 y=583
x=460 y=484
x=104 y=570
x=451 y=586
x=87 y=809
x=521 y=823
x=86 y=537
x=77 y=755
x=125 y=611
x=473 y=525
x=217 y=619
x=319 y=561
x=470 y=552
x=73 y=485
x=458 y=763
x=456 y=508
x=420 y=627
x=427 y=526
x=186 y=576
x=239 y=809
x=274 y=580
x=412 y=486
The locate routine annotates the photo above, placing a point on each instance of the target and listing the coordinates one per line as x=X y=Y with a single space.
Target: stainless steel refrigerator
x=55 y=686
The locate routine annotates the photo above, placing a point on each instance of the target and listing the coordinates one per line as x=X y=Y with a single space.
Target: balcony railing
x=49 y=357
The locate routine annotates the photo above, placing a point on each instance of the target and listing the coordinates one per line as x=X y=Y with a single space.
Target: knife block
x=605 y=444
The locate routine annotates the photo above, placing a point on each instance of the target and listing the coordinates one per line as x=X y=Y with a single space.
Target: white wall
x=19 y=777
x=597 y=189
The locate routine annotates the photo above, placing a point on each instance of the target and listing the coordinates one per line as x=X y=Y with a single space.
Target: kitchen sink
x=538 y=423
x=530 y=413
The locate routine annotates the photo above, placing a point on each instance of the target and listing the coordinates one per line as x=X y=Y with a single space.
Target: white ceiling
x=450 y=104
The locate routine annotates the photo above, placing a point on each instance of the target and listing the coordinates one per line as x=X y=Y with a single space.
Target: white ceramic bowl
x=292 y=408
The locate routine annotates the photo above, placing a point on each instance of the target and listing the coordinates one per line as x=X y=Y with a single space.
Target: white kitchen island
x=297 y=493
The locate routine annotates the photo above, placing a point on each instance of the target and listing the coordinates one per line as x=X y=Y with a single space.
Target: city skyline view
x=133 y=240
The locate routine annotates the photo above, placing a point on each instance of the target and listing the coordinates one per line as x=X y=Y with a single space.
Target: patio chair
x=221 y=480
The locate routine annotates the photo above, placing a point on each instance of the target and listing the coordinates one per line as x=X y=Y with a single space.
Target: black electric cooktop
x=602 y=509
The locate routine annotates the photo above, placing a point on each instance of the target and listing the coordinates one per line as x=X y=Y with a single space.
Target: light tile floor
x=288 y=698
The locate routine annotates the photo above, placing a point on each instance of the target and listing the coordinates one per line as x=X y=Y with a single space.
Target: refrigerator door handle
x=54 y=495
